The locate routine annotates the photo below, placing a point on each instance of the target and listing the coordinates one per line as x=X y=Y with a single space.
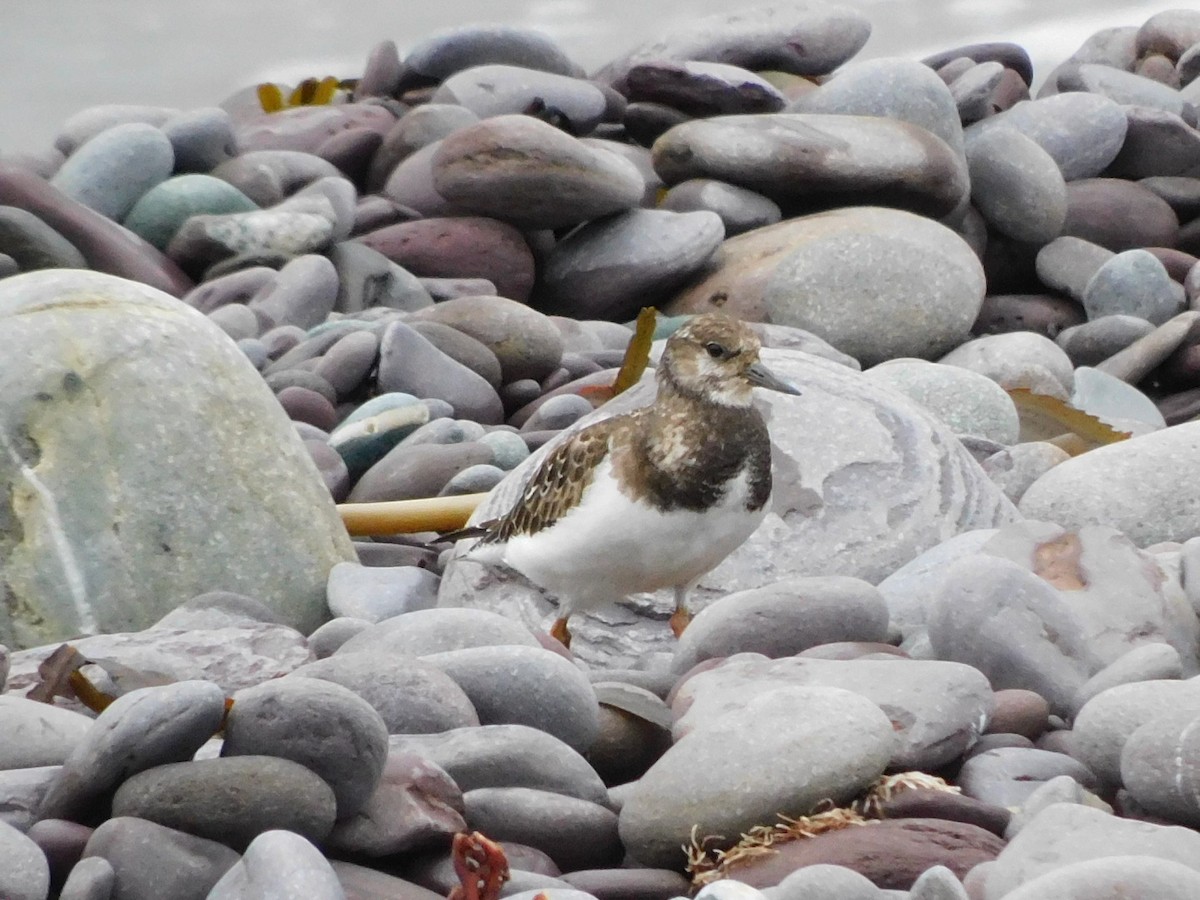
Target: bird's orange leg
x=682 y=616
x=560 y=632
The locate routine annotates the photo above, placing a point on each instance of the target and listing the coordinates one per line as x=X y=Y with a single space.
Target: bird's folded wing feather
x=555 y=488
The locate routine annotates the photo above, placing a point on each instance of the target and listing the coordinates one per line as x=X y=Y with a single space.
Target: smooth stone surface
x=928 y=734
x=90 y=879
x=410 y=472
x=76 y=335
x=116 y=167
x=231 y=800
x=105 y=245
x=1024 y=611
x=460 y=247
x=1113 y=878
x=1158 y=766
x=496 y=90
x=1133 y=283
x=441 y=55
x=1119 y=215
x=1017 y=360
x=279 y=865
x=574 y=833
x=970 y=403
x=231 y=657
x=37 y=734
x=1068 y=263
x=416 y=806
x=784 y=618
x=145 y=728
x=525 y=686
x=1015 y=468
x=1016 y=185
x=1149 y=662
x=201 y=138
x=612 y=268
x=1092 y=343
x=507 y=756
x=25 y=874
x=702 y=88
x=810 y=38
x=839 y=469
x=302 y=294
x=894 y=88
x=1007 y=776
x=891 y=854
x=1082 y=132
x=150 y=860
x=526 y=342
x=317 y=723
x=22 y=791
x=1105 y=723
x=409 y=363
x=1067 y=833
x=32 y=244
x=424 y=632
x=749 y=765
x=812 y=161
x=925 y=282
x=160 y=211
x=740 y=210
x=411 y=696
x=1130 y=485
x=376 y=593
x=524 y=171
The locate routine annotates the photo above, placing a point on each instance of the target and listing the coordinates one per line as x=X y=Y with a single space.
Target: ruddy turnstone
x=654 y=498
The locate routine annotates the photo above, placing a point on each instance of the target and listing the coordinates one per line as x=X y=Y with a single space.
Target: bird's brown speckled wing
x=559 y=482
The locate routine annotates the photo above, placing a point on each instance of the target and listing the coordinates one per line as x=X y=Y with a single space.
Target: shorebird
x=654 y=498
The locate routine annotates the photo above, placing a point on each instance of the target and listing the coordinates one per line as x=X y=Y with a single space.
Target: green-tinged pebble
x=508 y=449
x=165 y=207
x=365 y=441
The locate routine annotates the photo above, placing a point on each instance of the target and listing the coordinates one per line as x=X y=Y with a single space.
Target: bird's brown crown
x=710 y=358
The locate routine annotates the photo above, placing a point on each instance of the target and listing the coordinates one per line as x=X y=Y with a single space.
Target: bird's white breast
x=611 y=545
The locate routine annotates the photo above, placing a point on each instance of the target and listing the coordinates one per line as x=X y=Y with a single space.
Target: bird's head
x=715 y=357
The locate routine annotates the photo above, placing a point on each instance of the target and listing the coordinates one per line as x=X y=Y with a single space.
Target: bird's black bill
x=761 y=376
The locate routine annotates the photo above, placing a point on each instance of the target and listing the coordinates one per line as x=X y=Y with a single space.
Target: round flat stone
x=232 y=799
x=707 y=782
x=461 y=247
x=32 y=244
x=409 y=363
x=893 y=88
x=1133 y=486
x=1082 y=132
x=1119 y=215
x=1016 y=185
x=319 y=724
x=808 y=161
x=970 y=403
x=278 y=865
x=139 y=730
x=411 y=696
x=497 y=90
x=612 y=268
x=1133 y=283
x=805 y=39
x=702 y=88
x=525 y=686
x=116 y=167
x=521 y=170
x=160 y=212
x=526 y=343
x=740 y=210
x=926 y=284
x=440 y=56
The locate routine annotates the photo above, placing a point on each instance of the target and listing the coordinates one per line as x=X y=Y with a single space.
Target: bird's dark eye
x=715 y=350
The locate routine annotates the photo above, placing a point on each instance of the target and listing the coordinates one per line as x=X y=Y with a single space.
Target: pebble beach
x=959 y=660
